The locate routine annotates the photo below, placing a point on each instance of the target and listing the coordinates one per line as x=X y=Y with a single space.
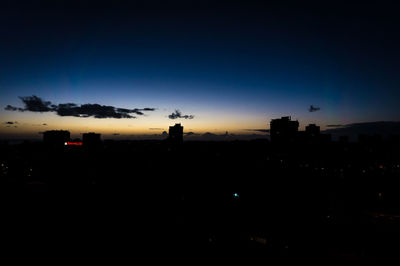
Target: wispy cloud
x=313 y=108
x=259 y=130
x=178 y=114
x=338 y=125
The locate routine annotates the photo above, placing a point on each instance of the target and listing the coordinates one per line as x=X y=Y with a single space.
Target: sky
x=225 y=65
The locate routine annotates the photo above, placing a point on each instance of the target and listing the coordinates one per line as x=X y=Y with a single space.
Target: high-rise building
x=176 y=133
x=313 y=130
x=56 y=137
x=283 y=129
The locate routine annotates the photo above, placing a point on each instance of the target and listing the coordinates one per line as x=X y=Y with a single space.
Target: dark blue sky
x=233 y=65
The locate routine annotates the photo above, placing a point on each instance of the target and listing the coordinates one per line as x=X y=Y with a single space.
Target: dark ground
x=331 y=203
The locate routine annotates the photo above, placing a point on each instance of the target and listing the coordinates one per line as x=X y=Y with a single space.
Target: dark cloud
x=36 y=104
x=134 y=111
x=98 y=111
x=44 y=124
x=12 y=108
x=313 y=109
x=11 y=123
x=383 y=128
x=123 y=110
x=92 y=110
x=155 y=128
x=208 y=136
x=259 y=130
x=178 y=114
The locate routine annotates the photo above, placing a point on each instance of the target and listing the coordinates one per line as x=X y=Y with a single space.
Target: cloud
x=383 y=128
x=338 y=125
x=116 y=134
x=209 y=136
x=10 y=124
x=178 y=114
x=259 y=130
x=94 y=110
x=313 y=109
x=36 y=104
x=12 y=108
x=155 y=128
x=44 y=124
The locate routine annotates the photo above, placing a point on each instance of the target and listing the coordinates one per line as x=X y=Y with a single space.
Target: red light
x=74 y=143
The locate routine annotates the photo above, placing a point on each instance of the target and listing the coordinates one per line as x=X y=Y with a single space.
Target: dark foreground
x=329 y=203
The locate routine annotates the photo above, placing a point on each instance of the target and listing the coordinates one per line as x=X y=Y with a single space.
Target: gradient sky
x=234 y=65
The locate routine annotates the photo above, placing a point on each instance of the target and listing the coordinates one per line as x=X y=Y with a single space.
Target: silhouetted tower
x=176 y=133
x=313 y=130
x=56 y=137
x=91 y=139
x=283 y=129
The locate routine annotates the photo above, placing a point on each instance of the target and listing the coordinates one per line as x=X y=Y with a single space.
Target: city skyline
x=224 y=66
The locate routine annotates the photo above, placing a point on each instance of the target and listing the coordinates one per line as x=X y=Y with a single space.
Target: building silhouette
x=313 y=130
x=91 y=139
x=56 y=137
x=176 y=133
x=283 y=129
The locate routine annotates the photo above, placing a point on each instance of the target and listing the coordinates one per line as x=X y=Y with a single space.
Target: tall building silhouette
x=176 y=133
x=283 y=129
x=313 y=130
x=56 y=137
